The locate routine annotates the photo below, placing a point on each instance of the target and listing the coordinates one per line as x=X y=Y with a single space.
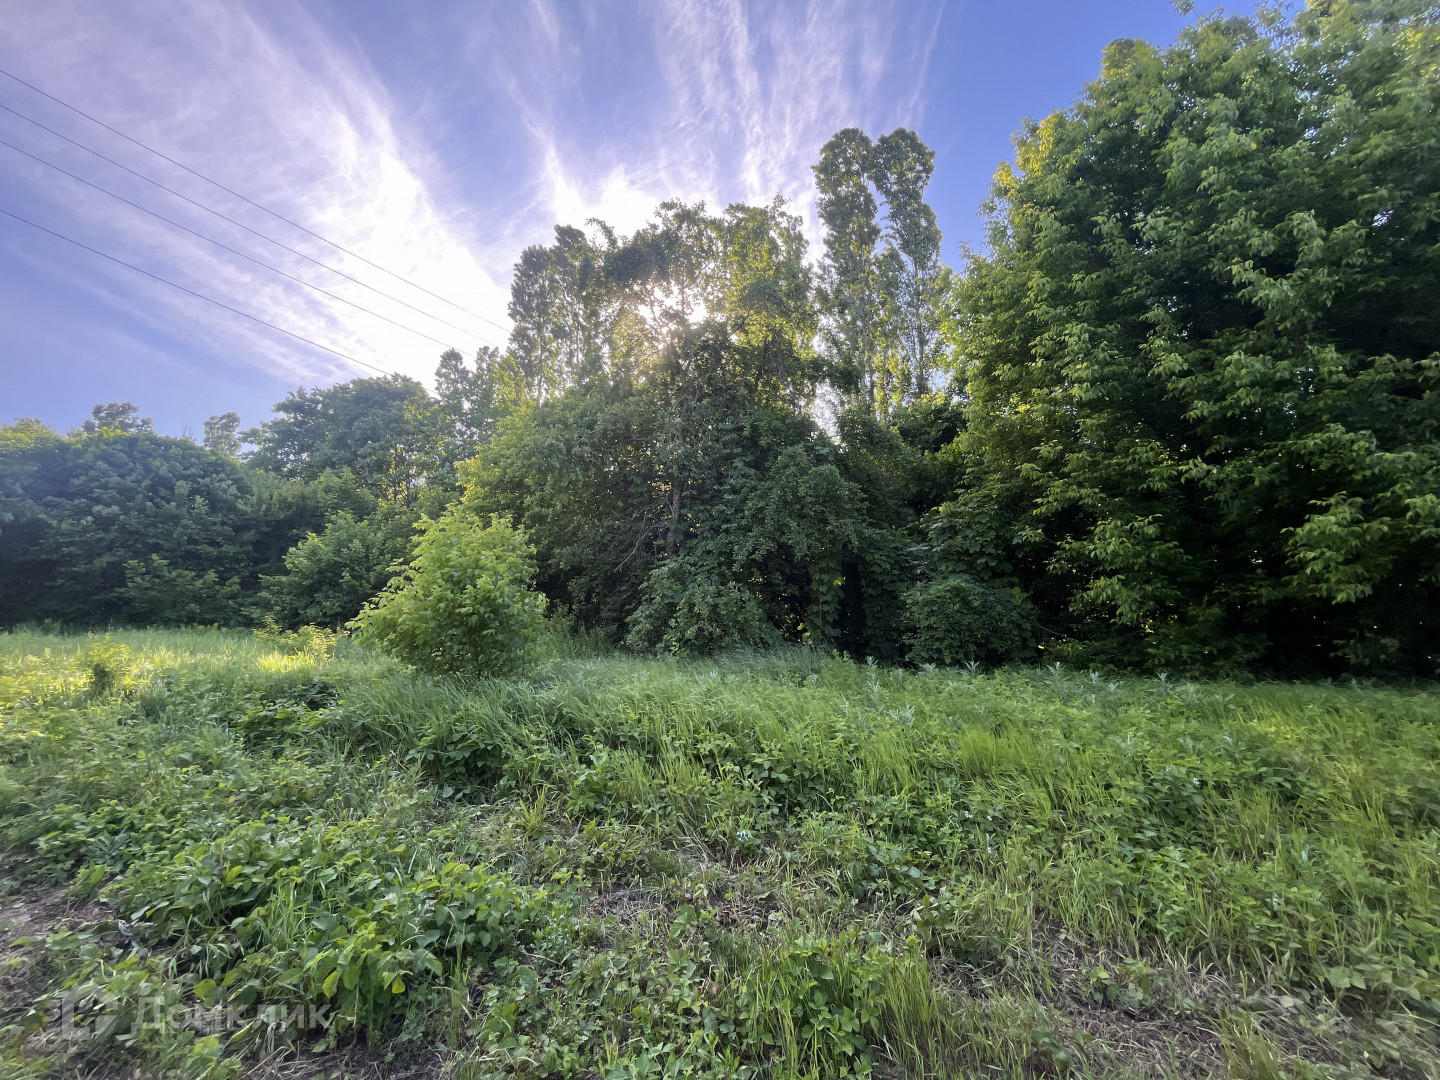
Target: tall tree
x=850 y=289
x=681 y=494
x=1204 y=353
x=117 y=416
x=473 y=398
x=385 y=434
x=882 y=287
x=221 y=434
x=562 y=309
x=916 y=281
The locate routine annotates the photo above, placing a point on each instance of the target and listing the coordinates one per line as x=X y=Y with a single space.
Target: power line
x=192 y=292
x=232 y=221
x=225 y=247
x=252 y=202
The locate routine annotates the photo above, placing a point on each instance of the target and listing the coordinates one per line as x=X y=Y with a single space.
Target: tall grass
x=780 y=862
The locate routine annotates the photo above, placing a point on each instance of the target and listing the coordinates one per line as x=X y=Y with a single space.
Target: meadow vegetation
x=759 y=664
x=760 y=864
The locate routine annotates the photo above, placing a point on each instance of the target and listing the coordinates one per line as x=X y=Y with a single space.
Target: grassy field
x=231 y=854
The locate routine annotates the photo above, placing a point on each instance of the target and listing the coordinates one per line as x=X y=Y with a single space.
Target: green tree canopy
x=117 y=416
x=221 y=434
x=385 y=434
x=1203 y=353
x=1181 y=413
x=472 y=398
x=882 y=284
x=330 y=574
x=117 y=527
x=670 y=474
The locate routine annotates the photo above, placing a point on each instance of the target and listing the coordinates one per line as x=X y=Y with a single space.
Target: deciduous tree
x=1203 y=353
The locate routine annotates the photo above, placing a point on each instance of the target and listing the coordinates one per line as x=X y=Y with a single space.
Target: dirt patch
x=348 y=1063
x=23 y=929
x=628 y=907
x=744 y=912
x=1111 y=1039
x=1172 y=1033
x=1155 y=1016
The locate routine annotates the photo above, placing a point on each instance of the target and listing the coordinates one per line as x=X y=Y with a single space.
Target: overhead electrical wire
x=225 y=247
x=192 y=292
x=238 y=224
x=252 y=202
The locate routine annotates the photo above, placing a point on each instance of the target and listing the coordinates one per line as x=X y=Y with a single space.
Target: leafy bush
x=464 y=606
x=109 y=663
x=117 y=527
x=690 y=608
x=816 y=1001
x=331 y=574
x=375 y=920
x=956 y=619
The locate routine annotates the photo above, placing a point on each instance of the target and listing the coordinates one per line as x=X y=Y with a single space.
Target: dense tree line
x=1182 y=412
x=1202 y=356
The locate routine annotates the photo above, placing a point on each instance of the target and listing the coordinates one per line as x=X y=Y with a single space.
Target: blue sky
x=437 y=139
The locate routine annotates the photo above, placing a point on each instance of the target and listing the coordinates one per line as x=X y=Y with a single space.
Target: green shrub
x=464 y=606
x=689 y=607
x=956 y=619
x=820 y=1005
x=108 y=664
x=331 y=574
x=351 y=914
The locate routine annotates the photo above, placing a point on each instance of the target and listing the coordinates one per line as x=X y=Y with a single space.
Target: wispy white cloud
x=737 y=97
x=276 y=110
x=600 y=110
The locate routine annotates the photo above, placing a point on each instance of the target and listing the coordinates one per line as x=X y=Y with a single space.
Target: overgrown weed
x=776 y=864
